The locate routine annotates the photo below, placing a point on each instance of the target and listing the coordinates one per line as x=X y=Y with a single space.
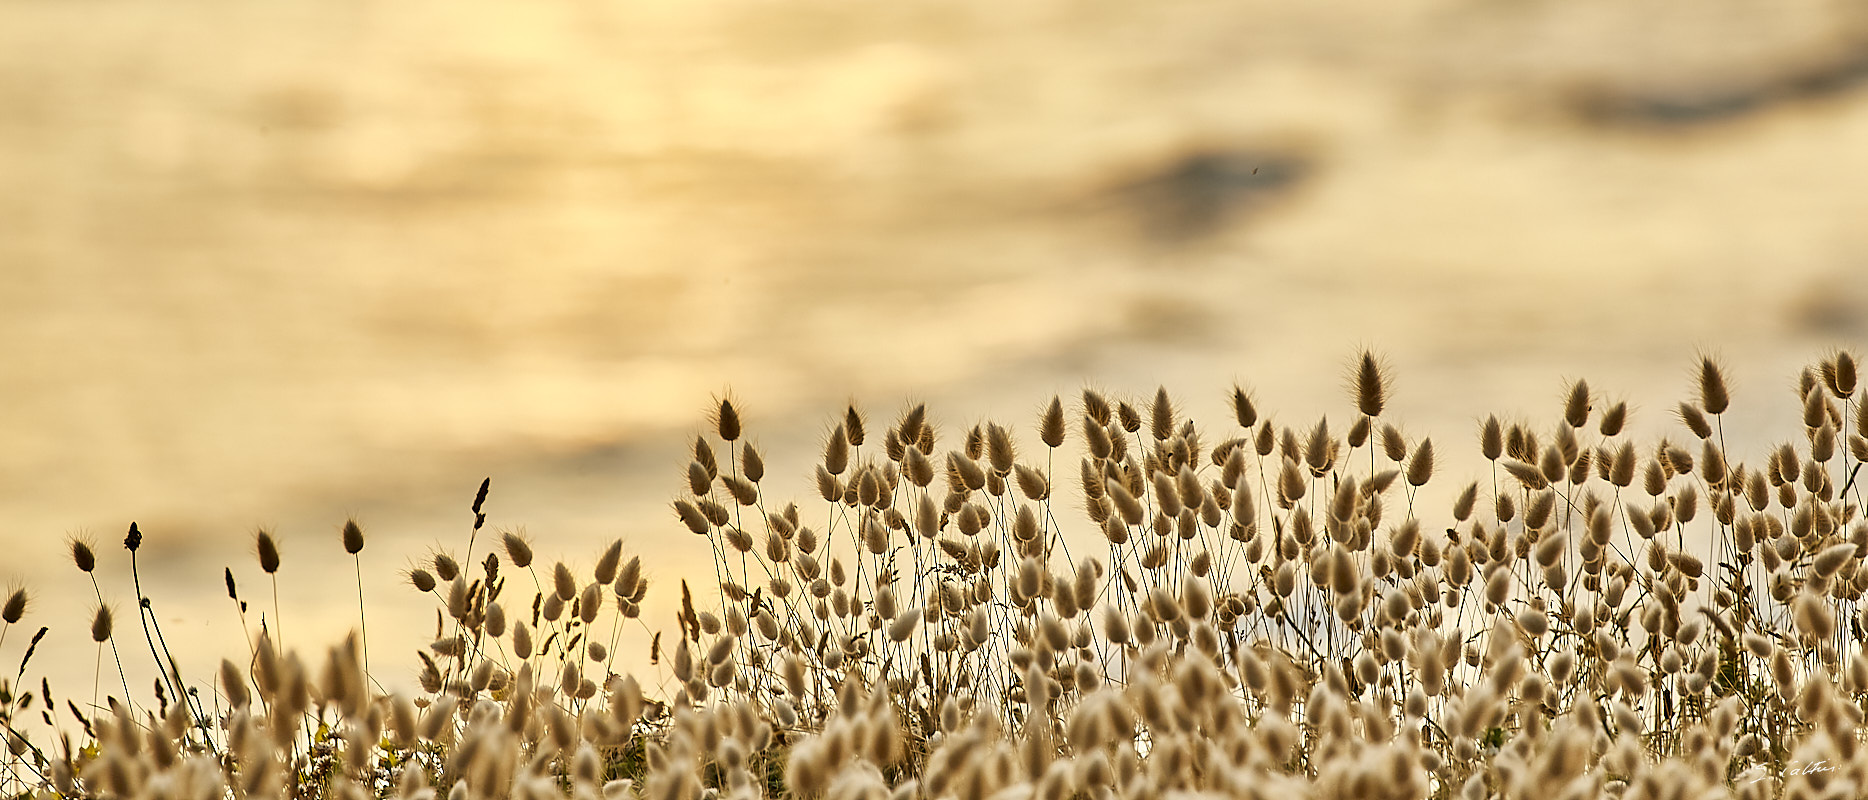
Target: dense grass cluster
x=1255 y=611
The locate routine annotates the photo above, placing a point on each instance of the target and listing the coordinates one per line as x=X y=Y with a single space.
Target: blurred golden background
x=279 y=263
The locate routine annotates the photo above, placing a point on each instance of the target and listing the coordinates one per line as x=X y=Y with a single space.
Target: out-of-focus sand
x=278 y=263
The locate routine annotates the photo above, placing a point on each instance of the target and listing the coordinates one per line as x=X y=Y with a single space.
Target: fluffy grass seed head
x=83 y=554
x=1243 y=410
x=353 y=537
x=15 y=607
x=445 y=566
x=1713 y=395
x=232 y=683
x=1839 y=374
x=608 y=562
x=1491 y=438
x=1420 y=467
x=519 y=550
x=854 y=426
x=751 y=463
x=837 y=452
x=1576 y=405
x=726 y=422
x=1614 y=419
x=267 y=549
x=1051 y=423
x=1370 y=384
x=1695 y=421
x=563 y=582
x=100 y=624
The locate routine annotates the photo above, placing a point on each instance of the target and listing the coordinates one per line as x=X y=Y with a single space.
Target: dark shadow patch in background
x=1832 y=306
x=1817 y=80
x=1195 y=193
